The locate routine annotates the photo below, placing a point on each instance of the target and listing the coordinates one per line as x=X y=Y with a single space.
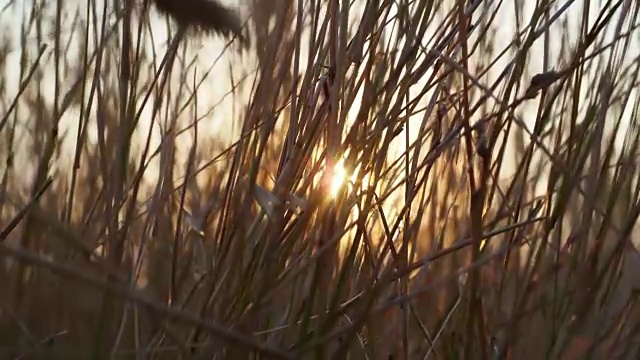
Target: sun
x=341 y=176
x=338 y=179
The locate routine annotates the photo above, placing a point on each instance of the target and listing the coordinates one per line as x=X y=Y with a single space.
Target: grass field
x=374 y=179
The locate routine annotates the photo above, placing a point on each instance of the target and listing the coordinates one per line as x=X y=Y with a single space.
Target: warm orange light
x=339 y=178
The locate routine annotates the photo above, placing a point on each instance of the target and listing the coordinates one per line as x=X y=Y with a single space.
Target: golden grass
x=401 y=180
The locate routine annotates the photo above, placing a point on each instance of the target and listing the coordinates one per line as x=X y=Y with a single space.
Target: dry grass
x=490 y=214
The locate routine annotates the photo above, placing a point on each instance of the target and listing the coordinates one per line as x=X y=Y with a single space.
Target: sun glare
x=338 y=179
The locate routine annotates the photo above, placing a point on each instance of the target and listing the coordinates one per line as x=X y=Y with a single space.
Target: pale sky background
x=217 y=87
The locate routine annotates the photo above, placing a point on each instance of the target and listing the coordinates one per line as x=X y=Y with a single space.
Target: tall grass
x=371 y=179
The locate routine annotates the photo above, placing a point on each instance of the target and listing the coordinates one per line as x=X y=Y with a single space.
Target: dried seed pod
x=541 y=81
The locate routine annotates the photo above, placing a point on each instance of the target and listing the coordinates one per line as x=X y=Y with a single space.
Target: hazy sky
x=215 y=88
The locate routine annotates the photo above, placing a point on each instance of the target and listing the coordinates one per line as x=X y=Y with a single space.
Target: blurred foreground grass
x=367 y=180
